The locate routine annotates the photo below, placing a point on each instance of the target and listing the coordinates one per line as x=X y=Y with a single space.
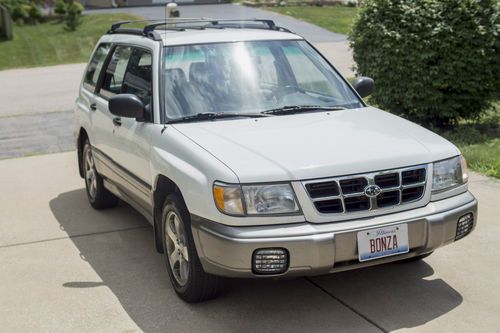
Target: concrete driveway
x=65 y=267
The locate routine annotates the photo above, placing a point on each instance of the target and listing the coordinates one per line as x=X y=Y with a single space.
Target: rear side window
x=129 y=72
x=95 y=65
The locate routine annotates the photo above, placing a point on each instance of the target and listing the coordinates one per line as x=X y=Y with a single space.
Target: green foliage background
x=433 y=61
x=23 y=11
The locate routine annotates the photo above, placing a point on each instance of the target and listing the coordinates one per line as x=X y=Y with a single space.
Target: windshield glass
x=249 y=77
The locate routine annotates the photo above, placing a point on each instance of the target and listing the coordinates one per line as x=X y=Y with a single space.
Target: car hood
x=316 y=145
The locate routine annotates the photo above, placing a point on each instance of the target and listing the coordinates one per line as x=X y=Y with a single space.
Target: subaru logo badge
x=372 y=191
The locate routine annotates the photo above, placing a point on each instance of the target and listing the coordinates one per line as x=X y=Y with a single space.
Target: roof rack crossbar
x=179 y=24
x=117 y=25
x=269 y=23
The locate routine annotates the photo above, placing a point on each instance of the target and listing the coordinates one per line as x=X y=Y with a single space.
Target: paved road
x=68 y=268
x=39 y=90
x=32 y=134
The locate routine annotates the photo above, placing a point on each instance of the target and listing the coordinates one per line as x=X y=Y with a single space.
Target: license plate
x=383 y=242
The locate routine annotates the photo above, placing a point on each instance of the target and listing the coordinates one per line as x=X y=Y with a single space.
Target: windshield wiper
x=290 y=109
x=215 y=115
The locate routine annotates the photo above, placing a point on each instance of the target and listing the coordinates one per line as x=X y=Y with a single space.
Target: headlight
x=258 y=199
x=270 y=199
x=449 y=173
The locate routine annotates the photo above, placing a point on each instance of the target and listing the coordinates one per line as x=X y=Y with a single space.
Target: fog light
x=270 y=261
x=464 y=225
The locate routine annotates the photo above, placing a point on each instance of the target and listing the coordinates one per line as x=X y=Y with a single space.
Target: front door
x=130 y=72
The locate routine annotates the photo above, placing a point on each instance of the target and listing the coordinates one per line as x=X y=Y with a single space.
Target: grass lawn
x=484 y=157
x=479 y=142
x=49 y=44
x=334 y=18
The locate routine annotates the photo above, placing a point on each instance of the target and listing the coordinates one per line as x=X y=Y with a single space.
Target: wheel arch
x=163 y=187
x=80 y=141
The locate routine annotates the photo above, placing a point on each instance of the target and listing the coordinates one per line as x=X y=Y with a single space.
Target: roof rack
x=181 y=24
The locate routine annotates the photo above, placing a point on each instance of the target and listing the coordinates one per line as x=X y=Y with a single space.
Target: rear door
x=87 y=101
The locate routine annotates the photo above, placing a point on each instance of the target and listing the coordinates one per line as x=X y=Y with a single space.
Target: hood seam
x=218 y=159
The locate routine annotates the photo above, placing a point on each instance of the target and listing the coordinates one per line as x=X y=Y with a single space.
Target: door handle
x=117 y=121
x=93 y=106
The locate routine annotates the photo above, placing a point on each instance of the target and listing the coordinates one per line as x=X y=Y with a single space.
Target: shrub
x=34 y=12
x=19 y=12
x=73 y=12
x=23 y=11
x=60 y=7
x=433 y=61
x=78 y=7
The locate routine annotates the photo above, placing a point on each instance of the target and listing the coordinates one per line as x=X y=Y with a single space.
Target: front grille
x=319 y=190
x=358 y=203
x=387 y=180
x=413 y=193
x=413 y=176
x=347 y=194
x=355 y=185
x=389 y=198
x=329 y=206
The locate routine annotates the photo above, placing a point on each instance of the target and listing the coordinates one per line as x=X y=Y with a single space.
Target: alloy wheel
x=90 y=174
x=177 y=248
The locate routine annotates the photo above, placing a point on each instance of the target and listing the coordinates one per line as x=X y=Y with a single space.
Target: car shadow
x=395 y=295
x=124 y=257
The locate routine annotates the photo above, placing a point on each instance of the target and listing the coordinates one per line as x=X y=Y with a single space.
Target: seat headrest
x=176 y=75
x=199 y=71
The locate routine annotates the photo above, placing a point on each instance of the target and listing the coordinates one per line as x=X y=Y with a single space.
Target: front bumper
x=317 y=249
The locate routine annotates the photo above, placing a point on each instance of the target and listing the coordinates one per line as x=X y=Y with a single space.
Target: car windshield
x=250 y=77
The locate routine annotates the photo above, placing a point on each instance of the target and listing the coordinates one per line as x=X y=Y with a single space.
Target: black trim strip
x=146 y=186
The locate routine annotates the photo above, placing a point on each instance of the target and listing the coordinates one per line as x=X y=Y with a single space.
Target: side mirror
x=364 y=86
x=126 y=105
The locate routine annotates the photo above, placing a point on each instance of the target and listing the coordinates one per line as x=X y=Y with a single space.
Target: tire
x=187 y=276
x=416 y=258
x=99 y=197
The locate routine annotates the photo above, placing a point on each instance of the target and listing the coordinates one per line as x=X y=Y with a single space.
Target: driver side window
x=113 y=77
x=129 y=72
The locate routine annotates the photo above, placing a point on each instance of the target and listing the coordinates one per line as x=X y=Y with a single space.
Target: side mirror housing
x=127 y=105
x=364 y=86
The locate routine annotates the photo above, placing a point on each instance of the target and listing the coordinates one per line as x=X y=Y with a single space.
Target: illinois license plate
x=382 y=242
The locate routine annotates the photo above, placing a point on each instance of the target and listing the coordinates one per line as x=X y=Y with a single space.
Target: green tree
x=60 y=7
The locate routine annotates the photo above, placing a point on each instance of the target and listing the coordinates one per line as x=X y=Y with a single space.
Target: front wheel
x=187 y=276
